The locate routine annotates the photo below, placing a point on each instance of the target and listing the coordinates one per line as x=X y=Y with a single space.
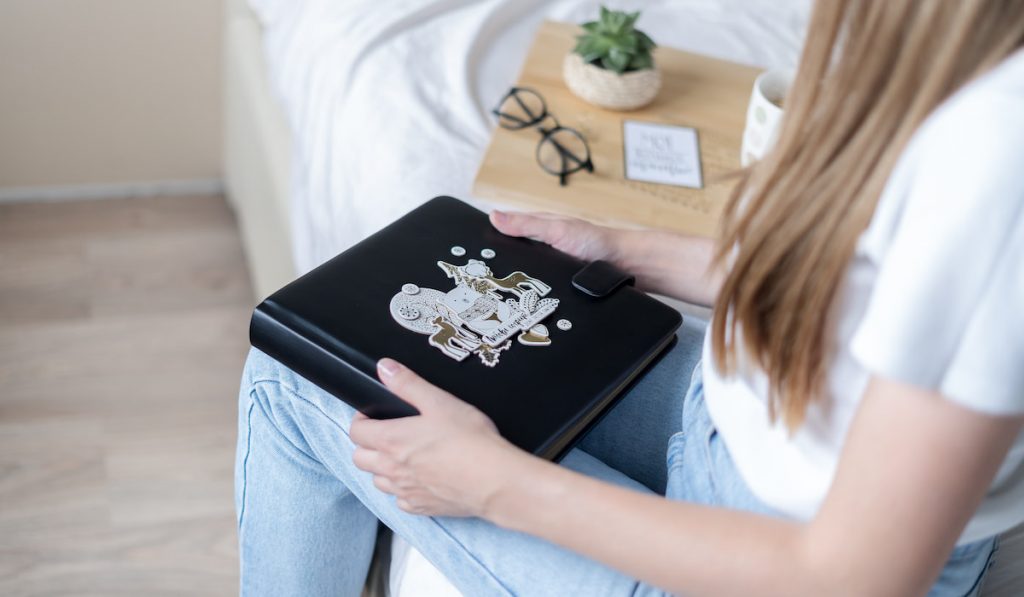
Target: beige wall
x=109 y=91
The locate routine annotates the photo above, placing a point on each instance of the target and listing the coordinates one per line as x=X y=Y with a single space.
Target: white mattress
x=389 y=100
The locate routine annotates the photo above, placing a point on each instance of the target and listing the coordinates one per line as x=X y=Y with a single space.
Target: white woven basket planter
x=606 y=89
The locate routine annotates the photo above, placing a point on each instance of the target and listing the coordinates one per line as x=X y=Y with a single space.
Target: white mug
x=764 y=114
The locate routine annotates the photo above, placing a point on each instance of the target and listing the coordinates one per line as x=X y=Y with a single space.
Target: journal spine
x=320 y=366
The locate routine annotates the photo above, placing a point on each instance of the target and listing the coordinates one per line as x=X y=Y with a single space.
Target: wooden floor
x=122 y=337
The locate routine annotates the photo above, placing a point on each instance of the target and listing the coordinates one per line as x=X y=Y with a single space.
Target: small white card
x=662 y=153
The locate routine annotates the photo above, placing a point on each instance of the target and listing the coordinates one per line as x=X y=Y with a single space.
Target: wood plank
x=44 y=281
x=78 y=220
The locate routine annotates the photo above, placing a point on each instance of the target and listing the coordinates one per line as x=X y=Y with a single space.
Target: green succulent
x=613 y=43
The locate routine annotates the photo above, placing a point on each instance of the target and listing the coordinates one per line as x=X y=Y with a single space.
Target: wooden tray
x=705 y=93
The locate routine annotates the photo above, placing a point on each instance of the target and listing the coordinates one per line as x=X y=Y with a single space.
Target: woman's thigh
x=633 y=437
x=477 y=556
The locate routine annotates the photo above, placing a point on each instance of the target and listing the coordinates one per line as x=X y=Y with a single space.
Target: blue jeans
x=307 y=517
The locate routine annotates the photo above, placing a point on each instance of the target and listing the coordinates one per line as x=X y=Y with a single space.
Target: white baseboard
x=118 y=190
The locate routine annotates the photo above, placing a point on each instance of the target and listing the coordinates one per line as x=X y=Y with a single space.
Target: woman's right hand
x=578 y=238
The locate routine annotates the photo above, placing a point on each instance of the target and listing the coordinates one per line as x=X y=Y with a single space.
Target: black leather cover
x=333 y=324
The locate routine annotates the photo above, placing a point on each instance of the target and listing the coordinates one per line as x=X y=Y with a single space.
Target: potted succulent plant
x=611 y=65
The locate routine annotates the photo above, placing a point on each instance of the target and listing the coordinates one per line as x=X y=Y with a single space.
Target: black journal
x=539 y=341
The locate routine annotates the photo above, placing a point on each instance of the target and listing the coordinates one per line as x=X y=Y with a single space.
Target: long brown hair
x=871 y=71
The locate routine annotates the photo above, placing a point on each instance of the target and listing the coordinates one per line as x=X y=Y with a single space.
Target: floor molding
x=118 y=190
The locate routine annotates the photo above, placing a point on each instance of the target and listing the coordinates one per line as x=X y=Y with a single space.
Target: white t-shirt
x=934 y=296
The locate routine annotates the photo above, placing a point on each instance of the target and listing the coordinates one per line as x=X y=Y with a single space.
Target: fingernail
x=499 y=216
x=388 y=368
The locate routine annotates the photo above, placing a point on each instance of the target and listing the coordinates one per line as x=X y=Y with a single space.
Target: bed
x=341 y=115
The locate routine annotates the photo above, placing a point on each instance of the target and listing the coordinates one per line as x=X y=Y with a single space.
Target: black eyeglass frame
x=515 y=123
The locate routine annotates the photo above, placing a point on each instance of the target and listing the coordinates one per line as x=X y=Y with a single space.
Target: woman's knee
x=261 y=366
x=288 y=401
x=274 y=384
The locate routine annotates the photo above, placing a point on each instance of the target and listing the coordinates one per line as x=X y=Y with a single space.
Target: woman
x=855 y=426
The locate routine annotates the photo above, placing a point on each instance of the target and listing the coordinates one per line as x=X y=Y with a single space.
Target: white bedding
x=389 y=104
x=389 y=100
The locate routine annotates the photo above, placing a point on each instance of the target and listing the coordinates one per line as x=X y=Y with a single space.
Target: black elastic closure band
x=600 y=279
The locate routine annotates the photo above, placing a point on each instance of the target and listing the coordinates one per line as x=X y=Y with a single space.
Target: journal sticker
x=480 y=315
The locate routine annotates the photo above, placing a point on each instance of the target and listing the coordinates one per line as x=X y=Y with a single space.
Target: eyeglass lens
x=521 y=108
x=561 y=150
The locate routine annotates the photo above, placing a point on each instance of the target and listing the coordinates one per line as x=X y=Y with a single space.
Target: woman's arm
x=913 y=470
x=669 y=264
x=672 y=265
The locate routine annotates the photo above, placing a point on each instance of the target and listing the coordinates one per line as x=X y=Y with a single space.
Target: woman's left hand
x=447 y=461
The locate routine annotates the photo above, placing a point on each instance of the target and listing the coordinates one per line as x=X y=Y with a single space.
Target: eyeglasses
x=562 y=150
